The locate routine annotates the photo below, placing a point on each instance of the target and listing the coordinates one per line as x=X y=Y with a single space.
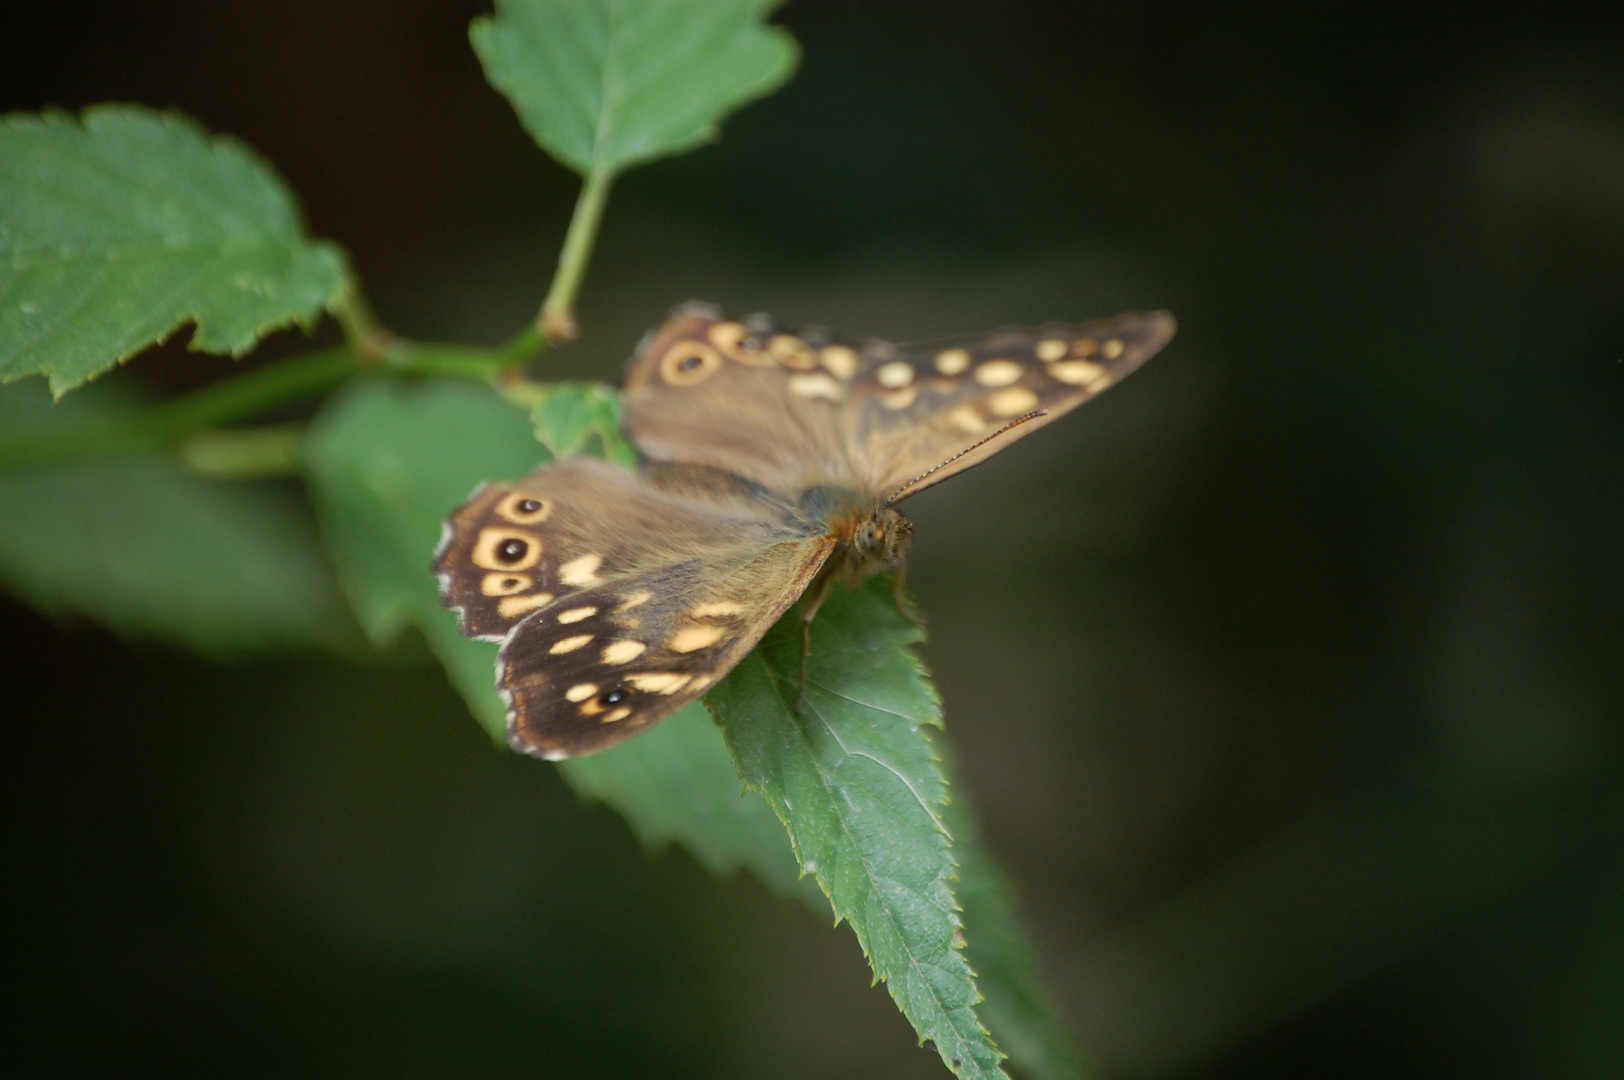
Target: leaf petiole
x=557 y=318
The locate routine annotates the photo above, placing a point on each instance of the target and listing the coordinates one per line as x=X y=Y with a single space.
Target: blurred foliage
x=155 y=551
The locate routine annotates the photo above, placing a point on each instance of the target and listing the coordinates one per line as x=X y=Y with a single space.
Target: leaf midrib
x=869 y=871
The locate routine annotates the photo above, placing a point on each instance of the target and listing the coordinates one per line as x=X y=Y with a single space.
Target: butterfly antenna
x=916 y=481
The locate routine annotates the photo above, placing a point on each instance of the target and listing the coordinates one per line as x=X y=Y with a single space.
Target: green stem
x=245 y=453
x=557 y=319
x=233 y=399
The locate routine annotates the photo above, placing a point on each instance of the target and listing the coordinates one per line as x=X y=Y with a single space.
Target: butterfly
x=771 y=464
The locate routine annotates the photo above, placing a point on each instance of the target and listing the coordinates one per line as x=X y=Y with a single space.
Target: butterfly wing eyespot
x=523 y=508
x=689 y=362
x=499 y=583
x=501 y=548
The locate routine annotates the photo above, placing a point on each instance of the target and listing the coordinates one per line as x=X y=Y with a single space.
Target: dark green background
x=1288 y=677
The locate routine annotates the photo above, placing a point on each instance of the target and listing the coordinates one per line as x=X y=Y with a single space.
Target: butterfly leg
x=808 y=613
x=904 y=605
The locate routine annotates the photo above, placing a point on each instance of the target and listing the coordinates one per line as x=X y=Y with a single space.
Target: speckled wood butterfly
x=772 y=462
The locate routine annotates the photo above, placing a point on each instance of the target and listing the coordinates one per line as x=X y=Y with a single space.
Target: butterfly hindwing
x=584 y=675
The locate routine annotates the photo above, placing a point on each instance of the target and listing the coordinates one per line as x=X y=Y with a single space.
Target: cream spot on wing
x=840 y=360
x=998 y=372
x=581 y=571
x=1051 y=349
x=715 y=609
x=952 y=361
x=967 y=420
x=632 y=599
x=513 y=606
x=792 y=352
x=816 y=384
x=738 y=343
x=1010 y=402
x=896 y=373
x=899 y=399
x=628 y=623
x=576 y=614
x=569 y=644
x=619 y=714
x=622 y=651
x=1081 y=373
x=1113 y=348
x=659 y=682
x=500 y=584
x=581 y=691
x=695 y=637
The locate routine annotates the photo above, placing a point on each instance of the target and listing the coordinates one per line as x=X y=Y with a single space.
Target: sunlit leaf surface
x=856 y=781
x=117 y=230
x=604 y=84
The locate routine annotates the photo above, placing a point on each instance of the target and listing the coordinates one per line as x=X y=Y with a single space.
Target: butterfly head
x=881 y=540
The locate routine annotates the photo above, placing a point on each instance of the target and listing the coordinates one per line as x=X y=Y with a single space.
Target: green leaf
x=677 y=782
x=117 y=230
x=856 y=781
x=152 y=551
x=389 y=462
x=604 y=84
x=581 y=418
x=1017 y=1009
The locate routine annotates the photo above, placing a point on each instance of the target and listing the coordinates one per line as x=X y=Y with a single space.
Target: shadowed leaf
x=153 y=551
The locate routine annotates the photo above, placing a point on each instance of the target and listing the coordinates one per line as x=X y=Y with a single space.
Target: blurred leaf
x=856 y=781
x=581 y=418
x=1016 y=1010
x=389 y=462
x=604 y=84
x=116 y=231
x=150 y=550
x=677 y=782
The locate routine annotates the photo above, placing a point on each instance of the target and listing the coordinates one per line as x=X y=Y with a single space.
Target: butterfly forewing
x=934 y=410
x=584 y=675
x=593 y=574
x=793 y=412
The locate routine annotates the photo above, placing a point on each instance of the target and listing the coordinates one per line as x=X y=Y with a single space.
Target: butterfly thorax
x=872 y=536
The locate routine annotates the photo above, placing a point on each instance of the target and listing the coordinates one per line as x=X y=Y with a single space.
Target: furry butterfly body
x=772 y=462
